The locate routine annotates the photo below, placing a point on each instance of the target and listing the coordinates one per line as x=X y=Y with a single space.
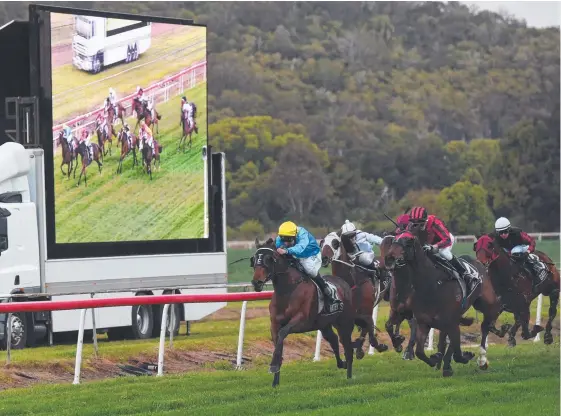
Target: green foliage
x=251 y=229
x=463 y=207
x=378 y=102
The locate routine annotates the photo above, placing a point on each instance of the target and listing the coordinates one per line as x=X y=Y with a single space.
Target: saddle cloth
x=473 y=276
x=324 y=308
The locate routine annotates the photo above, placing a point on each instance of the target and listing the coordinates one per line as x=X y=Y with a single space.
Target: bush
x=251 y=229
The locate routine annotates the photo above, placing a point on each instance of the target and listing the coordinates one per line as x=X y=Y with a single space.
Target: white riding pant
x=366 y=258
x=311 y=265
x=446 y=252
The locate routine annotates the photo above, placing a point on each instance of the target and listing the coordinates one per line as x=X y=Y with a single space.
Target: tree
x=463 y=206
x=298 y=181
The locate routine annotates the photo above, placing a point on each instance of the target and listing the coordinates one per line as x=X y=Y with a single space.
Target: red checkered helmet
x=418 y=214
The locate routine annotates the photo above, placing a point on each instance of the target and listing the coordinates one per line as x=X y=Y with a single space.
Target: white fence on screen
x=160 y=92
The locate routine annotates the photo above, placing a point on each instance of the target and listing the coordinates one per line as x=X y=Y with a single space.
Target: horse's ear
x=256 y=242
x=270 y=242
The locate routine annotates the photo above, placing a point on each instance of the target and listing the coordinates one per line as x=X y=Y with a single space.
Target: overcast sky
x=536 y=13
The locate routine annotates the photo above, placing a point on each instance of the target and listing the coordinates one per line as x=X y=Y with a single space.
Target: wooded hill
x=334 y=110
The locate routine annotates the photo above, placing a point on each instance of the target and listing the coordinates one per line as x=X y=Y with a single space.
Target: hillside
x=348 y=110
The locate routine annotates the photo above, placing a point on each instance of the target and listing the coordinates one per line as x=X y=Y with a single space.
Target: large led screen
x=129 y=105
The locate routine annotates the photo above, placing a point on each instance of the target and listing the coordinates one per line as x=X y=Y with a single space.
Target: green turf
x=187 y=45
x=129 y=206
x=240 y=272
x=522 y=381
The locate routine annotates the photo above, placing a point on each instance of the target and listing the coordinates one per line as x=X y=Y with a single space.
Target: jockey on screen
x=187 y=111
x=141 y=97
x=520 y=245
x=439 y=238
x=146 y=134
x=85 y=138
x=113 y=99
x=67 y=135
x=300 y=243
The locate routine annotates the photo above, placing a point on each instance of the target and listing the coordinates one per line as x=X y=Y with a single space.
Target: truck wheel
x=142 y=321
x=129 y=55
x=135 y=52
x=177 y=315
x=19 y=330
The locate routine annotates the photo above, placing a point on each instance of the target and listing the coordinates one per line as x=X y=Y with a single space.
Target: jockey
x=186 y=111
x=520 y=245
x=85 y=138
x=301 y=244
x=150 y=107
x=67 y=134
x=146 y=134
x=439 y=238
x=126 y=128
x=113 y=99
x=364 y=241
x=141 y=96
x=402 y=223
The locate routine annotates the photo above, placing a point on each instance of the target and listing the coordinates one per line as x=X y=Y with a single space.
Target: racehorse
x=68 y=155
x=366 y=295
x=86 y=161
x=148 y=156
x=400 y=308
x=111 y=116
x=296 y=308
x=439 y=302
x=126 y=148
x=513 y=283
x=187 y=131
x=142 y=113
x=104 y=135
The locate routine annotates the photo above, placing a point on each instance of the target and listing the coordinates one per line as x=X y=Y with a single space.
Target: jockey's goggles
x=286 y=239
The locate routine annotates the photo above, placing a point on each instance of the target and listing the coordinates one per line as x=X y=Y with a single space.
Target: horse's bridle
x=257 y=261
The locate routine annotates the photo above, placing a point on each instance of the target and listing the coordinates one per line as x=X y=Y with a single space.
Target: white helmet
x=502 y=224
x=137 y=89
x=111 y=91
x=348 y=228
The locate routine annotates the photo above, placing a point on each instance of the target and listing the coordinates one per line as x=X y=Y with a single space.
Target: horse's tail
x=159 y=116
x=464 y=321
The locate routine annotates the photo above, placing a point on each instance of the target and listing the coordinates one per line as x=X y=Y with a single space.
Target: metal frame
x=26 y=120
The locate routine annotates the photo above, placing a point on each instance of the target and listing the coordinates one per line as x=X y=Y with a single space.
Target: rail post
x=79 y=347
x=162 y=340
x=374 y=319
x=539 y=315
x=431 y=340
x=239 y=355
x=318 y=346
x=94 y=330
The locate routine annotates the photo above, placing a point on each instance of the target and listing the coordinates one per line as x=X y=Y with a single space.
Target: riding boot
x=456 y=264
x=539 y=272
x=336 y=303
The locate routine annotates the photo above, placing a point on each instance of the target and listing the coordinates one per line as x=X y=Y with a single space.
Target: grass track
x=129 y=206
x=519 y=382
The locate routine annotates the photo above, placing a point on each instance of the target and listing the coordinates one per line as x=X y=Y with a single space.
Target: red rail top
x=65 y=305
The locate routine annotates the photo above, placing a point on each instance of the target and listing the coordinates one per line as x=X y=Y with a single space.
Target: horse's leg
x=359 y=342
x=397 y=340
x=372 y=337
x=442 y=349
x=331 y=337
x=512 y=333
x=422 y=333
x=98 y=165
x=482 y=359
x=525 y=321
x=61 y=165
x=553 y=301
x=344 y=327
x=447 y=370
x=455 y=343
x=409 y=353
x=276 y=362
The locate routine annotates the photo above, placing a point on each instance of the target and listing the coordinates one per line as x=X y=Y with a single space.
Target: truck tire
x=19 y=331
x=142 y=321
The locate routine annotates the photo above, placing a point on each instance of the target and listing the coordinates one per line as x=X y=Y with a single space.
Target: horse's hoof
x=511 y=343
x=484 y=366
x=274 y=369
x=381 y=348
x=548 y=338
x=447 y=372
x=359 y=354
x=436 y=358
x=398 y=339
x=537 y=329
x=505 y=328
x=342 y=364
x=398 y=349
x=438 y=366
x=467 y=356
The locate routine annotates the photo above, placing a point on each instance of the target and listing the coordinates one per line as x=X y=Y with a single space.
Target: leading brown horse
x=366 y=295
x=294 y=307
x=187 y=130
x=68 y=155
x=438 y=301
x=513 y=284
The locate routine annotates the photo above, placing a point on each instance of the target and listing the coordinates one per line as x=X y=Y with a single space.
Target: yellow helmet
x=288 y=229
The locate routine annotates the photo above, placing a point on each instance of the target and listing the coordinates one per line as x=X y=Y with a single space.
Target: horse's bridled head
x=261 y=262
x=484 y=250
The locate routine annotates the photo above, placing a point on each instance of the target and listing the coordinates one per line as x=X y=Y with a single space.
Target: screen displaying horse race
x=129 y=124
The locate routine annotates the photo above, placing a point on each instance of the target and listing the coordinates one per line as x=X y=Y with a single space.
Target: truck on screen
x=100 y=41
x=28 y=274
